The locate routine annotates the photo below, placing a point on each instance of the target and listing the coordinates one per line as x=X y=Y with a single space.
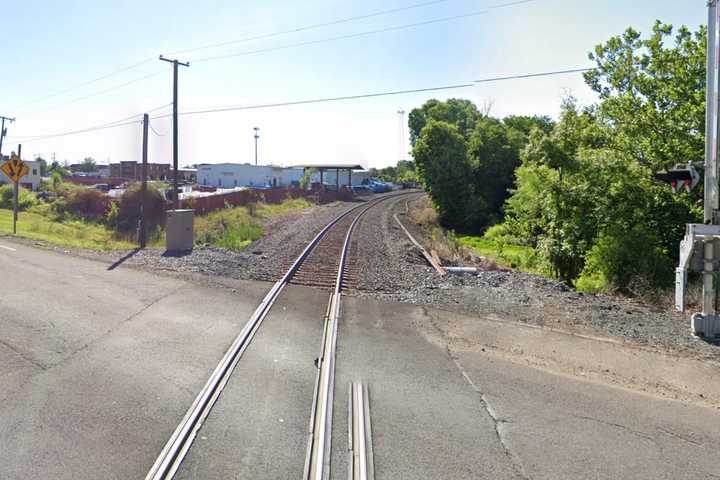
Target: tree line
x=580 y=191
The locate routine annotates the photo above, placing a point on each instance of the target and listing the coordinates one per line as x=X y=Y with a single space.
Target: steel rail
x=360 y=461
x=317 y=461
x=174 y=451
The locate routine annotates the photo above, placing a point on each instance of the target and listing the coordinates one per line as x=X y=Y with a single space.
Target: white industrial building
x=231 y=175
x=31 y=181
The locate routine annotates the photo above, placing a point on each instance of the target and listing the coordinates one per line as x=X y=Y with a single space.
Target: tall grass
x=235 y=228
x=70 y=233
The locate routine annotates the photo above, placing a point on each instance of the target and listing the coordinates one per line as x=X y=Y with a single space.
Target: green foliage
x=463 y=114
x=494 y=153
x=482 y=166
x=652 y=93
x=576 y=200
x=442 y=163
x=36 y=224
x=26 y=198
x=129 y=208
x=306 y=179
x=230 y=228
x=620 y=255
x=87 y=203
x=88 y=165
x=112 y=215
x=403 y=172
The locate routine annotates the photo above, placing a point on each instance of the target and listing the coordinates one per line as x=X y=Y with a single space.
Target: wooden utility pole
x=3 y=131
x=142 y=234
x=175 y=62
x=16 y=192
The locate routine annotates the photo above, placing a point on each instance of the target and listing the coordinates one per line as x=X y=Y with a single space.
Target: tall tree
x=88 y=165
x=463 y=114
x=440 y=152
x=652 y=93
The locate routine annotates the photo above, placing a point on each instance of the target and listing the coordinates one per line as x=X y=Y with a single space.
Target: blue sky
x=51 y=46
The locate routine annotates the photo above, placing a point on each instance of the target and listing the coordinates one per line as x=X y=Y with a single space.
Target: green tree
x=463 y=114
x=652 y=93
x=88 y=165
x=440 y=153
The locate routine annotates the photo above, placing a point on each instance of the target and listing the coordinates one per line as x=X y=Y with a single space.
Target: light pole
x=401 y=112
x=256 y=139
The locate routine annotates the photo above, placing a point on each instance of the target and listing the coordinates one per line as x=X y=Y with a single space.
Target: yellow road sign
x=14 y=169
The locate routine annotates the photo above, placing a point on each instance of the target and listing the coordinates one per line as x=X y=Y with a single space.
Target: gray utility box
x=179 y=231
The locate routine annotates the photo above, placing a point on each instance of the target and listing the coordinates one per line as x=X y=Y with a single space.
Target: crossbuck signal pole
x=175 y=62
x=3 y=132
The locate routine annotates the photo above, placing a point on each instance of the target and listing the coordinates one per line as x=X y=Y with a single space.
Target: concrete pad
x=259 y=426
x=98 y=395
x=564 y=428
x=426 y=421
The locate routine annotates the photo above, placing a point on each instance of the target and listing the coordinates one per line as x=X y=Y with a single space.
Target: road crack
x=121 y=323
x=498 y=421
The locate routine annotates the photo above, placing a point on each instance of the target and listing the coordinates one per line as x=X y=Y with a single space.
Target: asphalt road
x=98 y=366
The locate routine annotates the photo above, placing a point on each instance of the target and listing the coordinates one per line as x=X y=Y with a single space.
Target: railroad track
x=325 y=262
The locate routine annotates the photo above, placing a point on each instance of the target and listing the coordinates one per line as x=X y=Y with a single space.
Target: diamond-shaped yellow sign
x=14 y=169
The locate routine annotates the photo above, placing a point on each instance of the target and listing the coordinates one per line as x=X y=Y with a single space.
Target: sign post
x=15 y=169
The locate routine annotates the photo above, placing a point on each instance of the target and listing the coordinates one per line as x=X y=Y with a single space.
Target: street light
x=256 y=139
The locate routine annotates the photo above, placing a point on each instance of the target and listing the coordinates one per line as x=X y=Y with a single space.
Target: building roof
x=332 y=166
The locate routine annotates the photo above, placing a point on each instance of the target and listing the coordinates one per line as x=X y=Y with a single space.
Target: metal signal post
x=699 y=248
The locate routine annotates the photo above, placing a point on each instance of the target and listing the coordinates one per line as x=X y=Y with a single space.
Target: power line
x=155 y=131
x=531 y=75
x=372 y=95
x=121 y=122
x=311 y=27
x=117 y=123
x=101 y=92
x=342 y=37
x=231 y=42
x=83 y=84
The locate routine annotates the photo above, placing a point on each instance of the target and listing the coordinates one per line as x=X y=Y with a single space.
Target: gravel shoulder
x=394 y=270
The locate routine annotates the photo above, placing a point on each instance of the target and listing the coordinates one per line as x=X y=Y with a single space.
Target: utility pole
x=401 y=112
x=175 y=63
x=256 y=140
x=3 y=131
x=142 y=234
x=16 y=192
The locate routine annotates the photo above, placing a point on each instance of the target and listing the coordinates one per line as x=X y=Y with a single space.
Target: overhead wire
x=310 y=27
x=84 y=84
x=243 y=40
x=340 y=37
x=95 y=94
x=117 y=123
x=123 y=122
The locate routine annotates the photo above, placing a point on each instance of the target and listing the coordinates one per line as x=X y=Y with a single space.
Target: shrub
x=87 y=204
x=26 y=198
x=629 y=260
x=128 y=215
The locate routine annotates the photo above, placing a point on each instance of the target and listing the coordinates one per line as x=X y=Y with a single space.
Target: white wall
x=230 y=175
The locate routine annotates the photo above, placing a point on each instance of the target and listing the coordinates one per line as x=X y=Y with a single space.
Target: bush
x=87 y=204
x=630 y=261
x=128 y=215
x=26 y=198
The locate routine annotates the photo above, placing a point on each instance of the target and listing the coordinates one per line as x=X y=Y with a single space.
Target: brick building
x=132 y=170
